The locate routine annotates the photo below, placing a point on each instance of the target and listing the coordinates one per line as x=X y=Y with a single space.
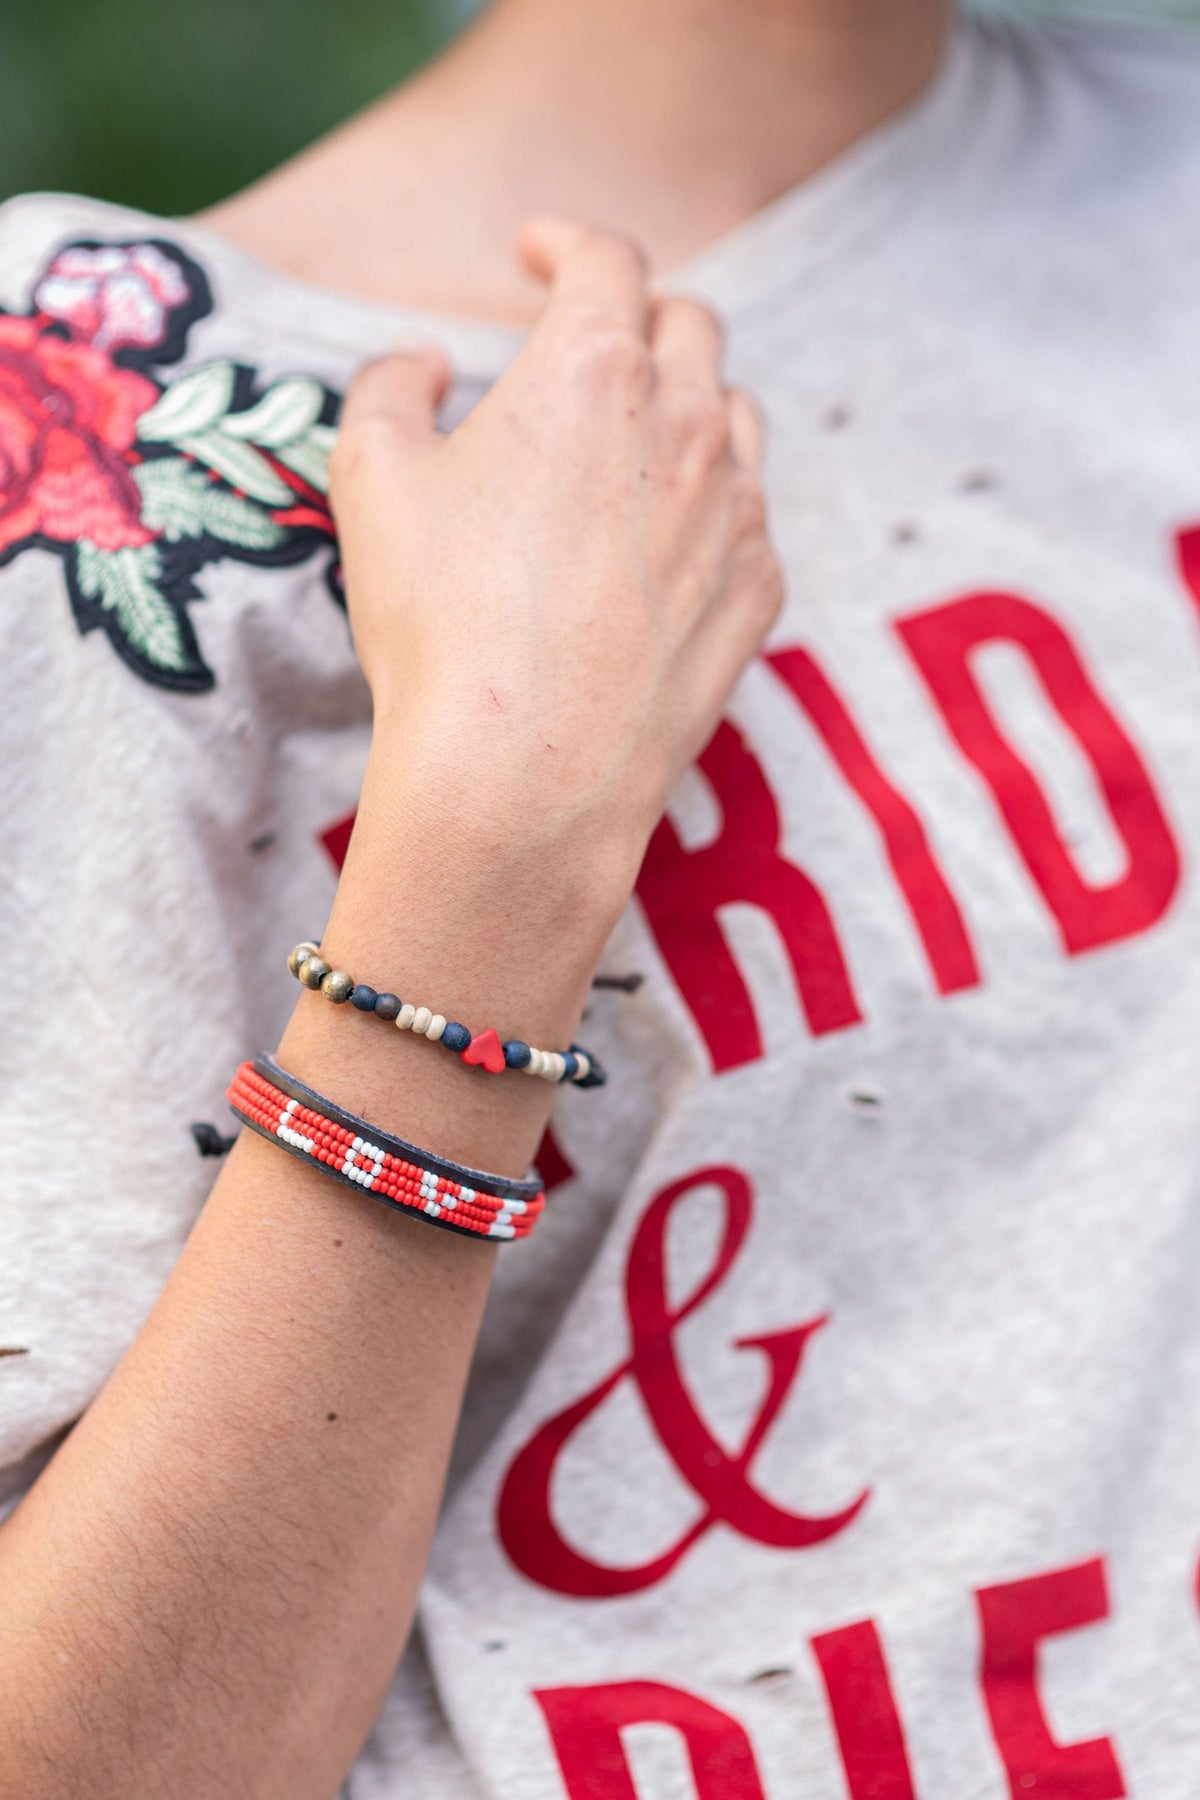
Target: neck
x=672 y=119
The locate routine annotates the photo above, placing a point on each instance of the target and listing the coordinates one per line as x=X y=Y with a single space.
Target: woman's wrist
x=498 y=848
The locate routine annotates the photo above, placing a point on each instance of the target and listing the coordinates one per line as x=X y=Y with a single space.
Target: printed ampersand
x=722 y=1482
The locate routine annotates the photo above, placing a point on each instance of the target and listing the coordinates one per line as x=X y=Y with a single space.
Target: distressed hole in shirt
x=209 y=1141
x=263 y=841
x=770 y=1677
x=622 y=984
x=836 y=418
x=978 y=481
x=905 y=532
x=864 y=1098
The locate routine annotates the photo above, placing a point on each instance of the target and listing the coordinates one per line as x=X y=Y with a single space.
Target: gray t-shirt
x=835 y=1433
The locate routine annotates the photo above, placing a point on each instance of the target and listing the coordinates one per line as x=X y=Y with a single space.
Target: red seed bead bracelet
x=314 y=1129
x=481 y=1049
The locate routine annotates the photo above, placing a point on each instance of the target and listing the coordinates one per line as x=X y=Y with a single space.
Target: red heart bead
x=487 y=1051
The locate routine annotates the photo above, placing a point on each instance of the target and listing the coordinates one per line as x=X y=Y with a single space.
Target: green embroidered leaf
x=286 y=411
x=180 y=502
x=310 y=462
x=192 y=403
x=241 y=465
x=125 y=582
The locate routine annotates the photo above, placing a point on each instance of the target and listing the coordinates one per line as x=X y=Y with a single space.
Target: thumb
x=403 y=390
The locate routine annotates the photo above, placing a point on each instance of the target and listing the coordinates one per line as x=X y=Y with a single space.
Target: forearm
x=208 y=1589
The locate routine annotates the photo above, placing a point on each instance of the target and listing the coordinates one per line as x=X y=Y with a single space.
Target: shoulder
x=1076 y=144
x=1095 y=85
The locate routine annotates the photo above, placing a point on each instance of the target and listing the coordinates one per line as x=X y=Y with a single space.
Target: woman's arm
x=206 y=1592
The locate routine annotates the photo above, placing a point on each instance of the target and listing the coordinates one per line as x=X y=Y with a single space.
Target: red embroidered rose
x=113 y=293
x=67 y=419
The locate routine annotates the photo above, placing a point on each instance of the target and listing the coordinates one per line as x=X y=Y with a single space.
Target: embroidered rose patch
x=137 y=480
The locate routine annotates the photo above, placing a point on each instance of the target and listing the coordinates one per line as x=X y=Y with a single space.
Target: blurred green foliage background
x=170 y=107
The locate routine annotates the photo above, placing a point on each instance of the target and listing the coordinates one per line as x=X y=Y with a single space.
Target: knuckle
x=363 y=447
x=624 y=251
x=704 y=418
x=700 y=317
x=609 y=356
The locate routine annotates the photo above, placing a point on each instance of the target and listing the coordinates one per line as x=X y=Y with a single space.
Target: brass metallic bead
x=313 y=971
x=336 y=986
x=300 y=954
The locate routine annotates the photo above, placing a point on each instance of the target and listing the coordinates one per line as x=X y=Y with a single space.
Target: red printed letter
x=1187 y=548
x=941 y=642
x=1015 y=1617
x=934 y=910
x=870 y=1736
x=681 y=891
x=586 y=1723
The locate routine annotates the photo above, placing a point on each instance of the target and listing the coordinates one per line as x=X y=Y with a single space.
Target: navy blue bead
x=386 y=1005
x=516 y=1054
x=570 y=1065
x=456 y=1037
x=363 y=998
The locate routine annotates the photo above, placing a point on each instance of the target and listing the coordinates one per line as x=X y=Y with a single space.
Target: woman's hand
x=552 y=602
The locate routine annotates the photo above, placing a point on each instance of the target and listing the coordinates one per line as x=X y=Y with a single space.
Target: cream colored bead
x=435 y=1028
x=555 y=1066
x=405 y=1017
x=585 y=1065
x=422 y=1019
x=534 y=1065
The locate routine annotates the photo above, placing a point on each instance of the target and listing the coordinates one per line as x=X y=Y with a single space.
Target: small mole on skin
x=337 y=1243
x=331 y=1417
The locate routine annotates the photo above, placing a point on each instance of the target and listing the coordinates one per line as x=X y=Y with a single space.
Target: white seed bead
x=435 y=1027
x=405 y=1017
x=555 y=1066
x=534 y=1065
x=422 y=1019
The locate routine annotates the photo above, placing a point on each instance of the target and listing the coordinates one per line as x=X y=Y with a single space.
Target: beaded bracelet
x=481 y=1049
x=314 y=1129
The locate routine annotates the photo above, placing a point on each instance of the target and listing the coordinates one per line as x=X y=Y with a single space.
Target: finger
x=601 y=271
x=747 y=434
x=687 y=341
x=404 y=390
